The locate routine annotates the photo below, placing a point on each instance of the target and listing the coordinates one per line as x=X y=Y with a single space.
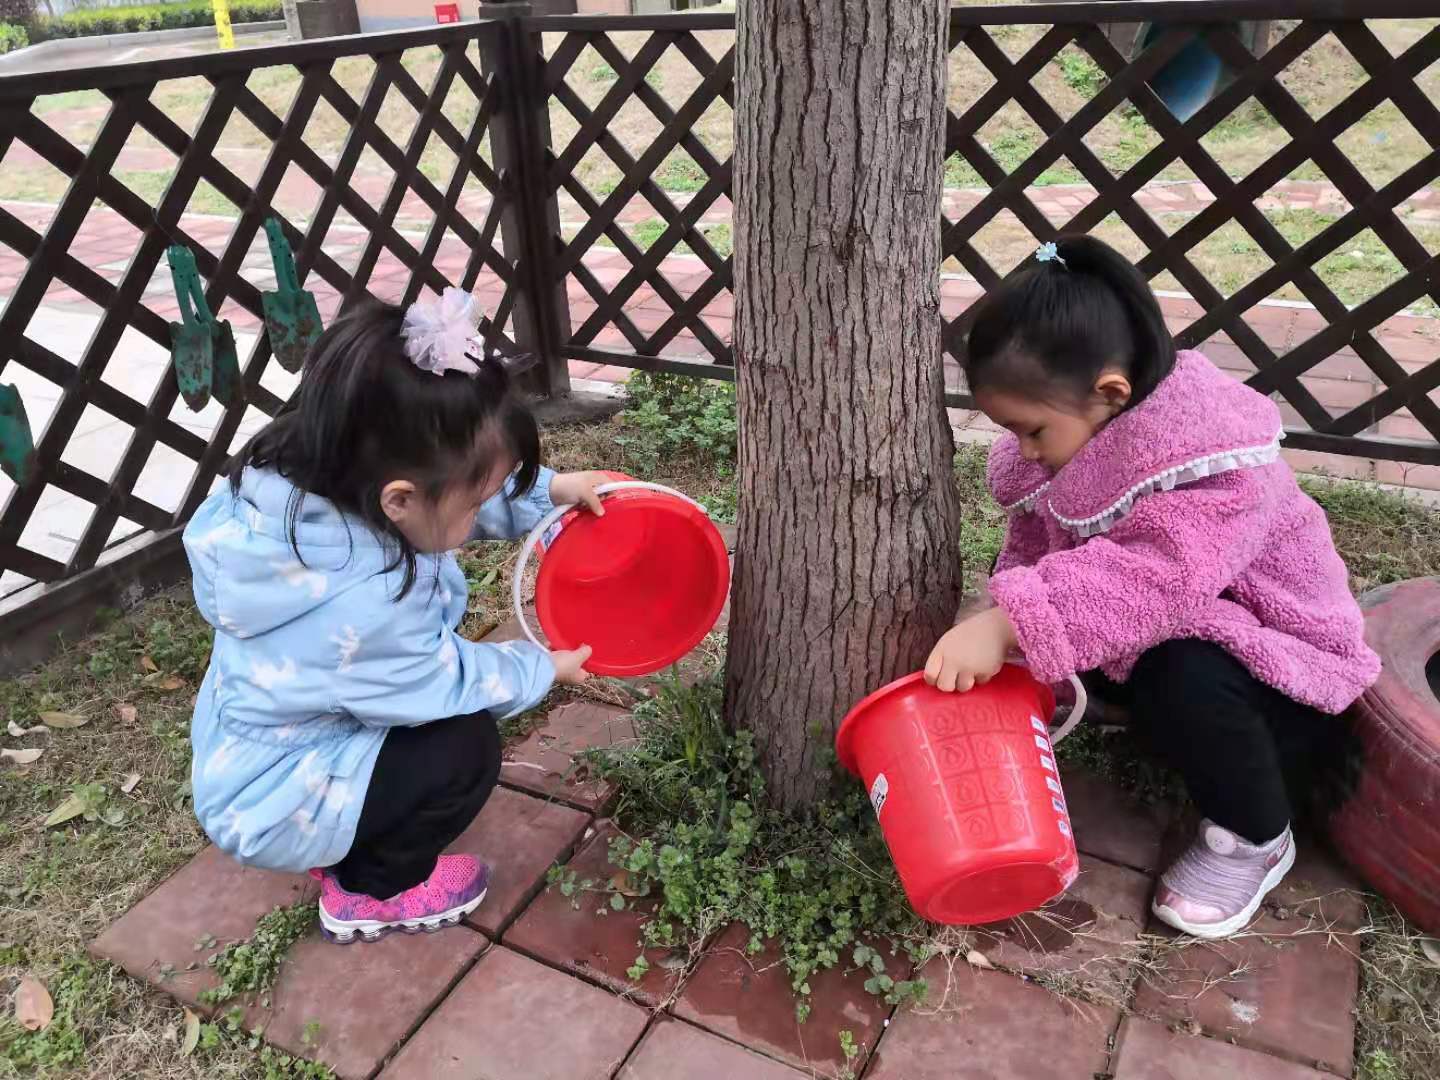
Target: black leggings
x=1250 y=756
x=429 y=783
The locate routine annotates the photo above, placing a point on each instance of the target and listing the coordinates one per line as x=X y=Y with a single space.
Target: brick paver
x=569 y=933
x=1284 y=987
x=547 y=763
x=352 y=1006
x=521 y=838
x=552 y=999
x=1091 y=934
x=749 y=999
x=674 y=1050
x=1147 y=1051
x=211 y=899
x=1113 y=825
x=987 y=1024
x=513 y=1019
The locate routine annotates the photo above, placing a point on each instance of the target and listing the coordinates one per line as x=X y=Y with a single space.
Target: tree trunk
x=848 y=565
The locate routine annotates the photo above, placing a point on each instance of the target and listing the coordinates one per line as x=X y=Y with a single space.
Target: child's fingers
x=932 y=668
x=946 y=681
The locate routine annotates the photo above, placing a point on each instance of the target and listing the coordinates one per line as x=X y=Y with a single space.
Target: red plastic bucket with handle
x=642 y=585
x=967 y=793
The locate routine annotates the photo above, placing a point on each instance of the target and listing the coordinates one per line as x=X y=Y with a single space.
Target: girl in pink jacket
x=1156 y=539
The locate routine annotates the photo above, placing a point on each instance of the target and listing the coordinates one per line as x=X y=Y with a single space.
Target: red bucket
x=967 y=793
x=642 y=586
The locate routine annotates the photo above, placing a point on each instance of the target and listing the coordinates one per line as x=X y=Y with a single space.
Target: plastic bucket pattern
x=642 y=586
x=967 y=793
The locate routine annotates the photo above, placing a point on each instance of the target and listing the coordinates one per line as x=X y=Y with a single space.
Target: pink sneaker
x=1215 y=888
x=454 y=889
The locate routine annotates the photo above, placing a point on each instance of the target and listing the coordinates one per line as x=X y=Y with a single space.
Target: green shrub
x=704 y=846
x=672 y=415
x=12 y=38
x=93 y=22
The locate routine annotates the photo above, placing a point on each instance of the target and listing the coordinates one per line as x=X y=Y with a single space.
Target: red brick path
x=534 y=986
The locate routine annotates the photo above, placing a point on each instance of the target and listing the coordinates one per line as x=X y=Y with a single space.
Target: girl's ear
x=1114 y=389
x=398 y=500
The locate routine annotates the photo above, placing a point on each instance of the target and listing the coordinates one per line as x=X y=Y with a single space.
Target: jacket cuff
x=1039 y=630
x=538 y=497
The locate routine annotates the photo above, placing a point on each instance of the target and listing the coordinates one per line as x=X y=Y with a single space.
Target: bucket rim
x=845 y=735
x=649 y=501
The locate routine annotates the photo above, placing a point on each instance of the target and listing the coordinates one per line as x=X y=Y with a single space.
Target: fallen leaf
x=72 y=807
x=977 y=959
x=127 y=713
x=18 y=732
x=171 y=682
x=63 y=720
x=21 y=757
x=130 y=783
x=33 y=1007
x=192 y=1034
x=624 y=884
x=148 y=664
x=1431 y=948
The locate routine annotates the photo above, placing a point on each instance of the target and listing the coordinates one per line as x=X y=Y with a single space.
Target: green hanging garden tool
x=292 y=318
x=17 y=445
x=201 y=348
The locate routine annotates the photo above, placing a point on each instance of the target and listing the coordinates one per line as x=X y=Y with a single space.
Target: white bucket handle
x=1077 y=713
x=555 y=515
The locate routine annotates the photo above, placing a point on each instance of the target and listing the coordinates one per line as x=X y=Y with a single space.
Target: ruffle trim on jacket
x=1253 y=457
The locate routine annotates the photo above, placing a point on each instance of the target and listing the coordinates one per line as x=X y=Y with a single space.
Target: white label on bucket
x=1038 y=726
x=1058 y=805
x=1064 y=827
x=1053 y=785
x=879 y=790
x=1048 y=763
x=551 y=533
x=1042 y=743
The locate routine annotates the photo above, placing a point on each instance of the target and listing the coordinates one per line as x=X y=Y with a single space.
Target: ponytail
x=1057 y=322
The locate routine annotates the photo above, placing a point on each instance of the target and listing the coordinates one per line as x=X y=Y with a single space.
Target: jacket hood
x=249 y=578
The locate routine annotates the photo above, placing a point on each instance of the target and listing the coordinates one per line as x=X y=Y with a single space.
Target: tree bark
x=848 y=566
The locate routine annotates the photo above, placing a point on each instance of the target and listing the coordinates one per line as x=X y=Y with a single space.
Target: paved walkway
x=534 y=986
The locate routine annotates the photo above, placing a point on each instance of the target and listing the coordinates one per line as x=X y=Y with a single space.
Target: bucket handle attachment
x=555 y=515
x=1077 y=712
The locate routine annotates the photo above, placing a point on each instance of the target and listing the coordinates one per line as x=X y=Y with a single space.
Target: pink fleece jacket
x=1179 y=520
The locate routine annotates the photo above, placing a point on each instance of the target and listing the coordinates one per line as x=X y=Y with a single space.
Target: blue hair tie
x=1048 y=252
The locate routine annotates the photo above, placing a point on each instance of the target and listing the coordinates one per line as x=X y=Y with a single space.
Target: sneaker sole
x=1236 y=923
x=347 y=931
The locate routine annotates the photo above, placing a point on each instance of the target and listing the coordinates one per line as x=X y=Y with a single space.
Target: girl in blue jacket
x=343 y=723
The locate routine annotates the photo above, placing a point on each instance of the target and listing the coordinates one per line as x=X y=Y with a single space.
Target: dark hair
x=364 y=415
x=1050 y=328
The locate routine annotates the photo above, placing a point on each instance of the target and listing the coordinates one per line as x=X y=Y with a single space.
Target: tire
x=1389 y=827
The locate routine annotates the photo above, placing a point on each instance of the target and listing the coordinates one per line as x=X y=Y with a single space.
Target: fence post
x=530 y=226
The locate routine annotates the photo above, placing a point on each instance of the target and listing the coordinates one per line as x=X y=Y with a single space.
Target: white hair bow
x=442 y=336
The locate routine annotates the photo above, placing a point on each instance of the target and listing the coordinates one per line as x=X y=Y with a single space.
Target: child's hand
x=570 y=666
x=971 y=653
x=578 y=488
